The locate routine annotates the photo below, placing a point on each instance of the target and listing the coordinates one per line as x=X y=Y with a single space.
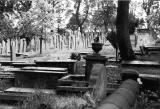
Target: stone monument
x=94 y=58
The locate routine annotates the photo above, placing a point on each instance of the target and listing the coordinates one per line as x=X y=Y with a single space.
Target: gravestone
x=13 y=54
x=91 y=60
x=98 y=80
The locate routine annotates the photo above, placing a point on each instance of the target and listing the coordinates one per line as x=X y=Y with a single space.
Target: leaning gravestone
x=98 y=80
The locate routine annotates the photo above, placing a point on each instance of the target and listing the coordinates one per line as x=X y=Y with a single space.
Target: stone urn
x=97 y=47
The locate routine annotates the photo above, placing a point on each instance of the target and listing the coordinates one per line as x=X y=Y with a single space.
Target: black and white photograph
x=79 y=54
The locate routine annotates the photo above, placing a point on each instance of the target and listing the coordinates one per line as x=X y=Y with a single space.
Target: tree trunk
x=12 y=50
x=122 y=26
x=19 y=44
x=41 y=45
x=28 y=44
x=6 y=50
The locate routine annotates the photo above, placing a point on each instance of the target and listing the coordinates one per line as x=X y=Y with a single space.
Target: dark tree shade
x=122 y=26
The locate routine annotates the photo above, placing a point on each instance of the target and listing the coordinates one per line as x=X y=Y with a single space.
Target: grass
x=52 y=101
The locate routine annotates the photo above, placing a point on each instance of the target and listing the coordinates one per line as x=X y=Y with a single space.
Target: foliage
x=7 y=28
x=133 y=23
x=72 y=23
x=11 y=6
x=151 y=8
x=10 y=10
x=105 y=14
x=147 y=4
x=79 y=17
x=62 y=31
x=154 y=18
x=75 y=56
x=111 y=37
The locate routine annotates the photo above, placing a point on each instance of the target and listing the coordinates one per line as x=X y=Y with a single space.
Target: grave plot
x=58 y=63
x=29 y=80
x=38 y=77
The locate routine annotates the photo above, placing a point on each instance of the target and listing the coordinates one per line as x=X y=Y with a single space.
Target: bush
x=111 y=37
x=75 y=56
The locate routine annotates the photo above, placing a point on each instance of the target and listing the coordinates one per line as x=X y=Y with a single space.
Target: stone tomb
x=58 y=63
x=83 y=83
x=38 y=77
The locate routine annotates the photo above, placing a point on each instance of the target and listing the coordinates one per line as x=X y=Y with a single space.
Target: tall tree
x=105 y=14
x=78 y=18
x=122 y=26
x=152 y=8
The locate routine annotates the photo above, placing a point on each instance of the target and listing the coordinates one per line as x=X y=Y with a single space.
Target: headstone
x=113 y=73
x=13 y=52
x=91 y=60
x=98 y=80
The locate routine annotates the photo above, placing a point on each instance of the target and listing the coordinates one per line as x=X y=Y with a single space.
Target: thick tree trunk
x=122 y=26
x=28 y=44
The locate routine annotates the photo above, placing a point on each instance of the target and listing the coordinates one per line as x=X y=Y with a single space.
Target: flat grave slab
x=28 y=90
x=8 y=63
x=20 y=94
x=13 y=96
x=70 y=64
x=37 y=78
x=19 y=65
x=138 y=63
x=152 y=48
x=39 y=72
x=55 y=61
x=149 y=76
x=6 y=75
x=46 y=69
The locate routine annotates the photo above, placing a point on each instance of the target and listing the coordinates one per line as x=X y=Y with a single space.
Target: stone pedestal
x=91 y=60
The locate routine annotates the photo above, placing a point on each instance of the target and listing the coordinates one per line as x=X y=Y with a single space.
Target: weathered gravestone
x=98 y=80
x=91 y=60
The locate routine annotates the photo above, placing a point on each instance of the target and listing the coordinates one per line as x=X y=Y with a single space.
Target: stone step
x=73 y=89
x=20 y=94
x=80 y=89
